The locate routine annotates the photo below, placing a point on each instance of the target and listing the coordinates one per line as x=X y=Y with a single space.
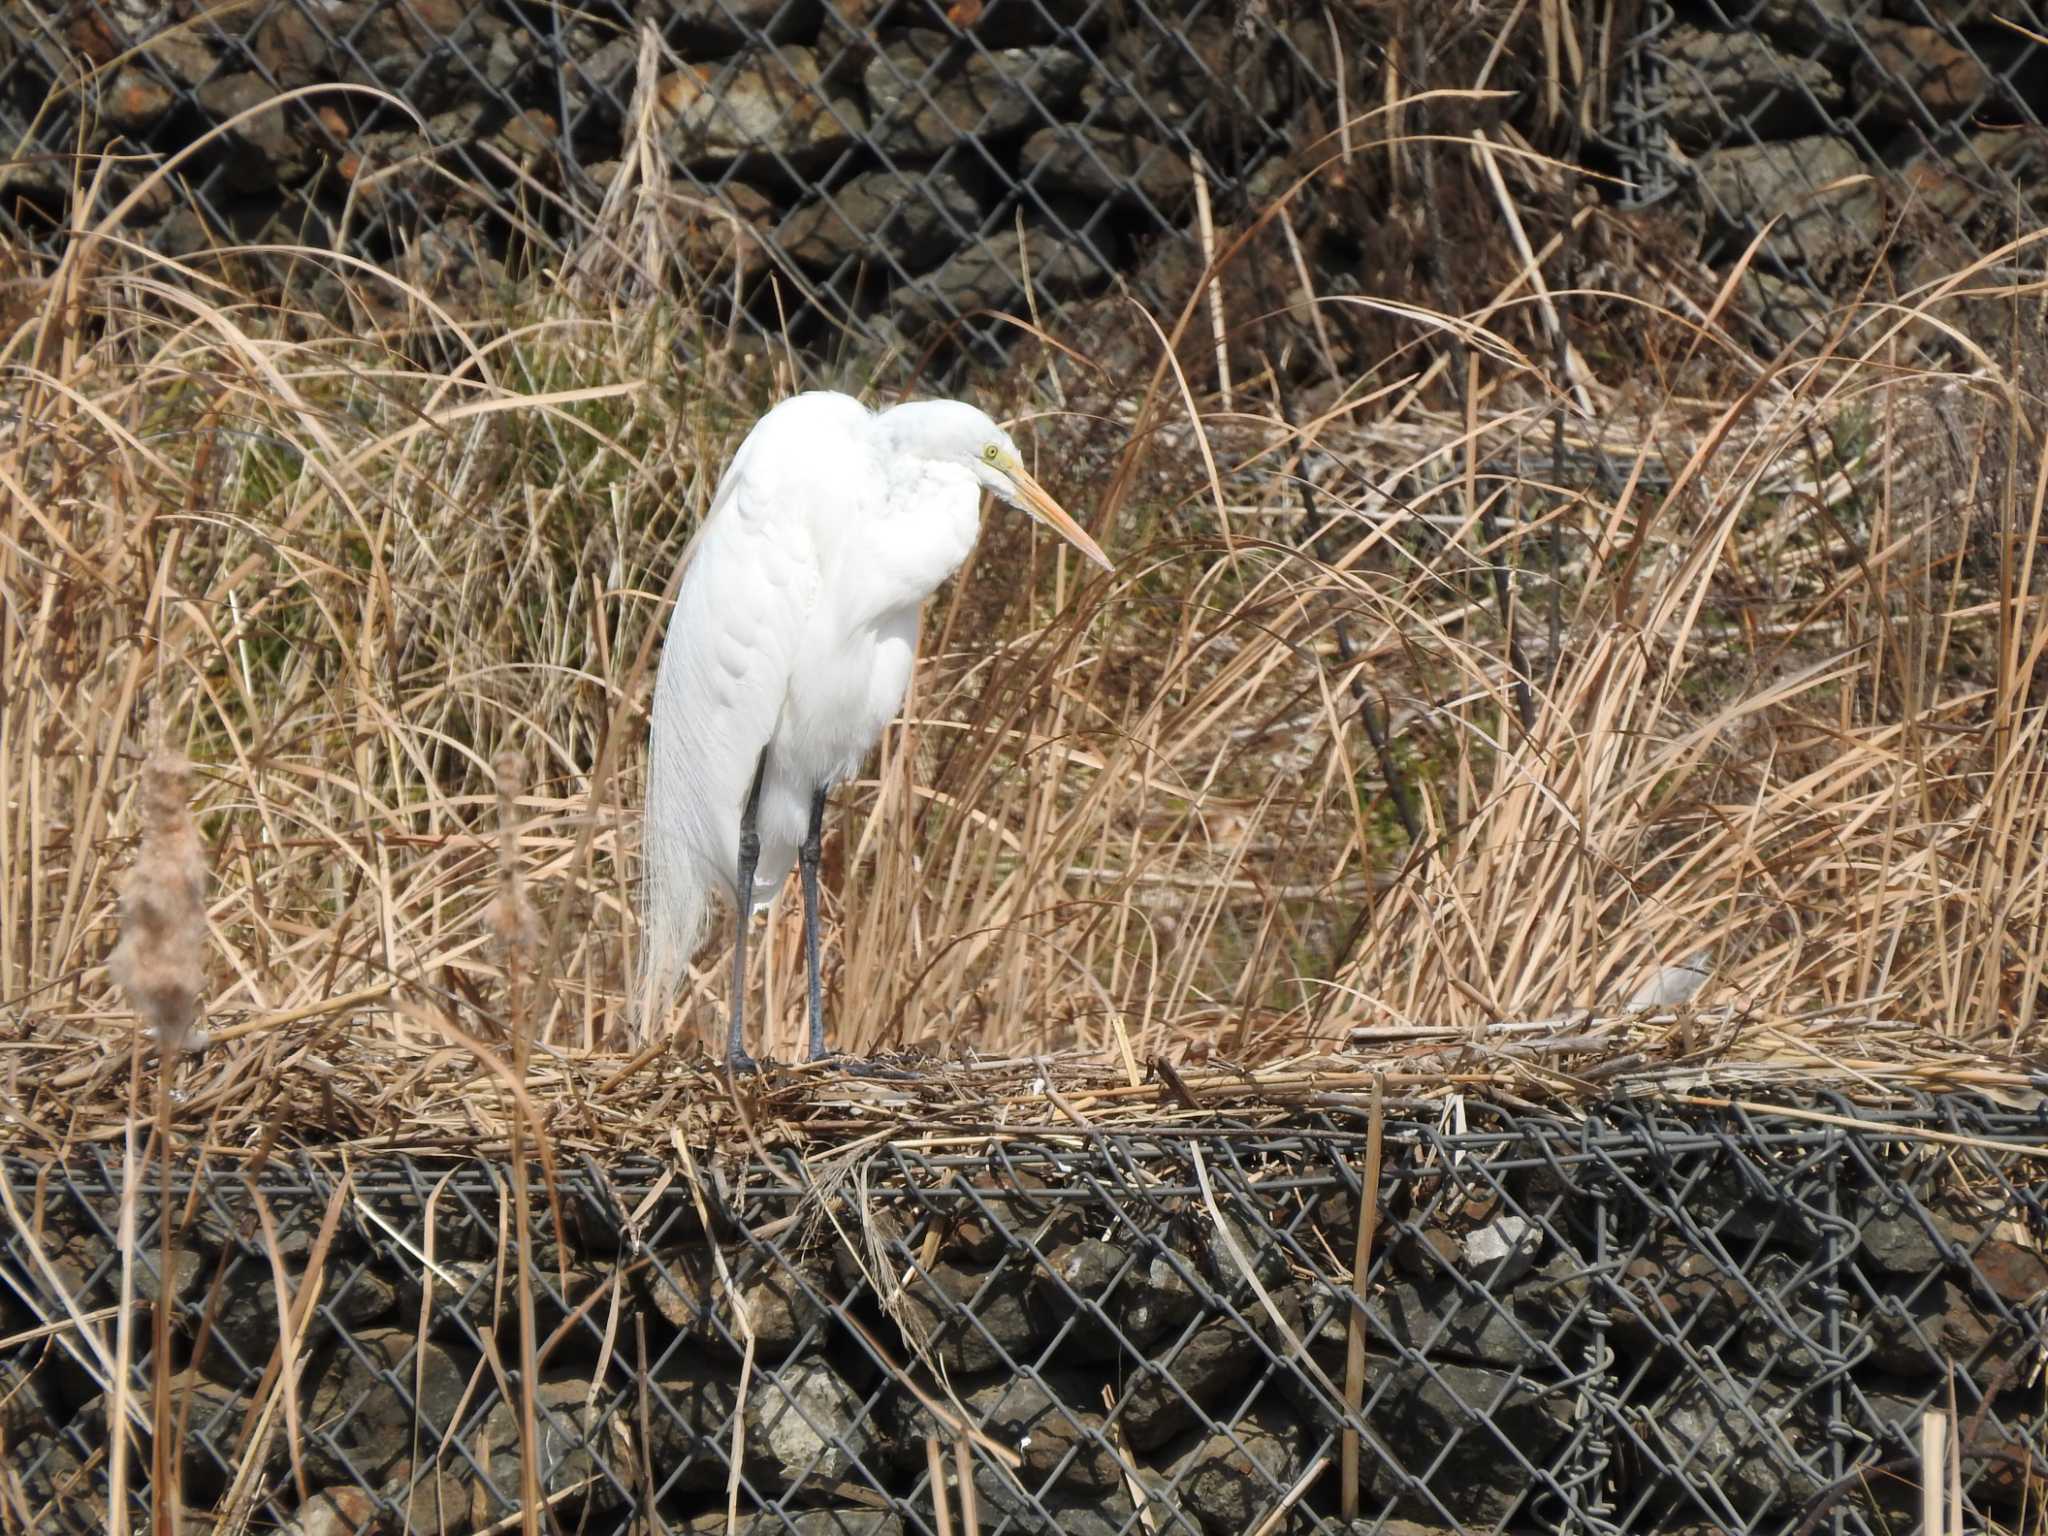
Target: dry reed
x=1741 y=679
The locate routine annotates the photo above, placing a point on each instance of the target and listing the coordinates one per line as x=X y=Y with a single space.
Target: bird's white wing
x=751 y=583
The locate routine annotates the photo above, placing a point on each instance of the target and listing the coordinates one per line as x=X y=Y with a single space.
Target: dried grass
x=1742 y=668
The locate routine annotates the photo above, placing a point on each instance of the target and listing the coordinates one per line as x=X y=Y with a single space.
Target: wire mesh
x=895 y=170
x=1639 y=1321
x=892 y=167
x=1840 y=137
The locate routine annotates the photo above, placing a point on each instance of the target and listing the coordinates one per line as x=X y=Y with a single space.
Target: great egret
x=790 y=648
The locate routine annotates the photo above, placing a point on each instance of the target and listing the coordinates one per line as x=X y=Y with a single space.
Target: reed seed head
x=515 y=931
x=159 y=962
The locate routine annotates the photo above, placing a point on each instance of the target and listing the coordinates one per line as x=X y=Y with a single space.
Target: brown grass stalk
x=1788 y=714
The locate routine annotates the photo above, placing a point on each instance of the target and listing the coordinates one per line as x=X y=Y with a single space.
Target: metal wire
x=1640 y=1320
x=904 y=168
x=1842 y=137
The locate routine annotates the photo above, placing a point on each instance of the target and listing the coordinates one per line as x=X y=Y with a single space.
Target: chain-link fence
x=1843 y=137
x=894 y=168
x=876 y=158
x=1639 y=1321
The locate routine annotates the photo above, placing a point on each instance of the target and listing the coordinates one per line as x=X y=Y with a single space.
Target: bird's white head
x=954 y=433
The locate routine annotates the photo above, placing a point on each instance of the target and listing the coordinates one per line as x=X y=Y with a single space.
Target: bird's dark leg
x=807 y=863
x=736 y=1057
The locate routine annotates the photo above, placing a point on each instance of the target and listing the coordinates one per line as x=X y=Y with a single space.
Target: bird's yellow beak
x=1053 y=515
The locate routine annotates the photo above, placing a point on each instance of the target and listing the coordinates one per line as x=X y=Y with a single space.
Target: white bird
x=790 y=648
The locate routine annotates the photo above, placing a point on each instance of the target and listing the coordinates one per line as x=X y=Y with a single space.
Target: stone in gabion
x=767 y=108
x=925 y=98
x=1230 y=1481
x=972 y=1319
x=807 y=1426
x=1475 y=1427
x=359 y=1417
x=915 y=217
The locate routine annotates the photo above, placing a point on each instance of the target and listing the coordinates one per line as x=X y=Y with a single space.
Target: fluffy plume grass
x=1421 y=698
x=159 y=962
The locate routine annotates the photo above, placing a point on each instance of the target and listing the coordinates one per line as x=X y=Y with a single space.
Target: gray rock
x=508 y=54
x=1747 y=1204
x=214 y=1416
x=443 y=1494
x=1439 y=1319
x=926 y=97
x=758 y=107
x=689 y=1421
x=1920 y=1326
x=1905 y=1236
x=1756 y=1443
x=1010 y=1216
x=412 y=46
x=917 y=218
x=1816 y=227
x=601 y=78
x=1108 y=164
x=55 y=1485
x=1911 y=74
x=1429 y=1253
x=1154 y=1298
x=806 y=1425
x=1157 y=77
x=574 y=1450
x=972 y=1319
x=1025 y=1504
x=1054 y=1431
x=1085 y=1269
x=1009 y=23
x=1486 y=1419
x=135 y=100
x=1785 y=310
x=990 y=275
x=807 y=1522
x=190 y=1272
x=784 y=1306
x=1229 y=1485
x=1501 y=1251
x=246 y=1315
x=1794 y=1345
x=463 y=1294
x=1726 y=84
x=1227 y=1247
x=273 y=147
x=34 y=180
x=711 y=28
x=1820 y=28
x=1216 y=1358
x=340 y=1511
x=183 y=54
x=359 y=1417
x=1117 y=1303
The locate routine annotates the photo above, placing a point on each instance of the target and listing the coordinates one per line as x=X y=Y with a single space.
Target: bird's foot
x=740 y=1064
x=857 y=1066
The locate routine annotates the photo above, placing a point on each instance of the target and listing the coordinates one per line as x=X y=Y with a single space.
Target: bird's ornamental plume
x=159 y=962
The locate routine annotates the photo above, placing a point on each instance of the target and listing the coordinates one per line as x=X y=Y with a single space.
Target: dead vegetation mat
x=342 y=1085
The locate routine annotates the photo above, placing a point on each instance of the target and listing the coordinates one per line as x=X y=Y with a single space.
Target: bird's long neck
x=928 y=523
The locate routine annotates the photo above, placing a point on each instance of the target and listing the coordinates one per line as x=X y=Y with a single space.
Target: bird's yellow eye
x=992 y=452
